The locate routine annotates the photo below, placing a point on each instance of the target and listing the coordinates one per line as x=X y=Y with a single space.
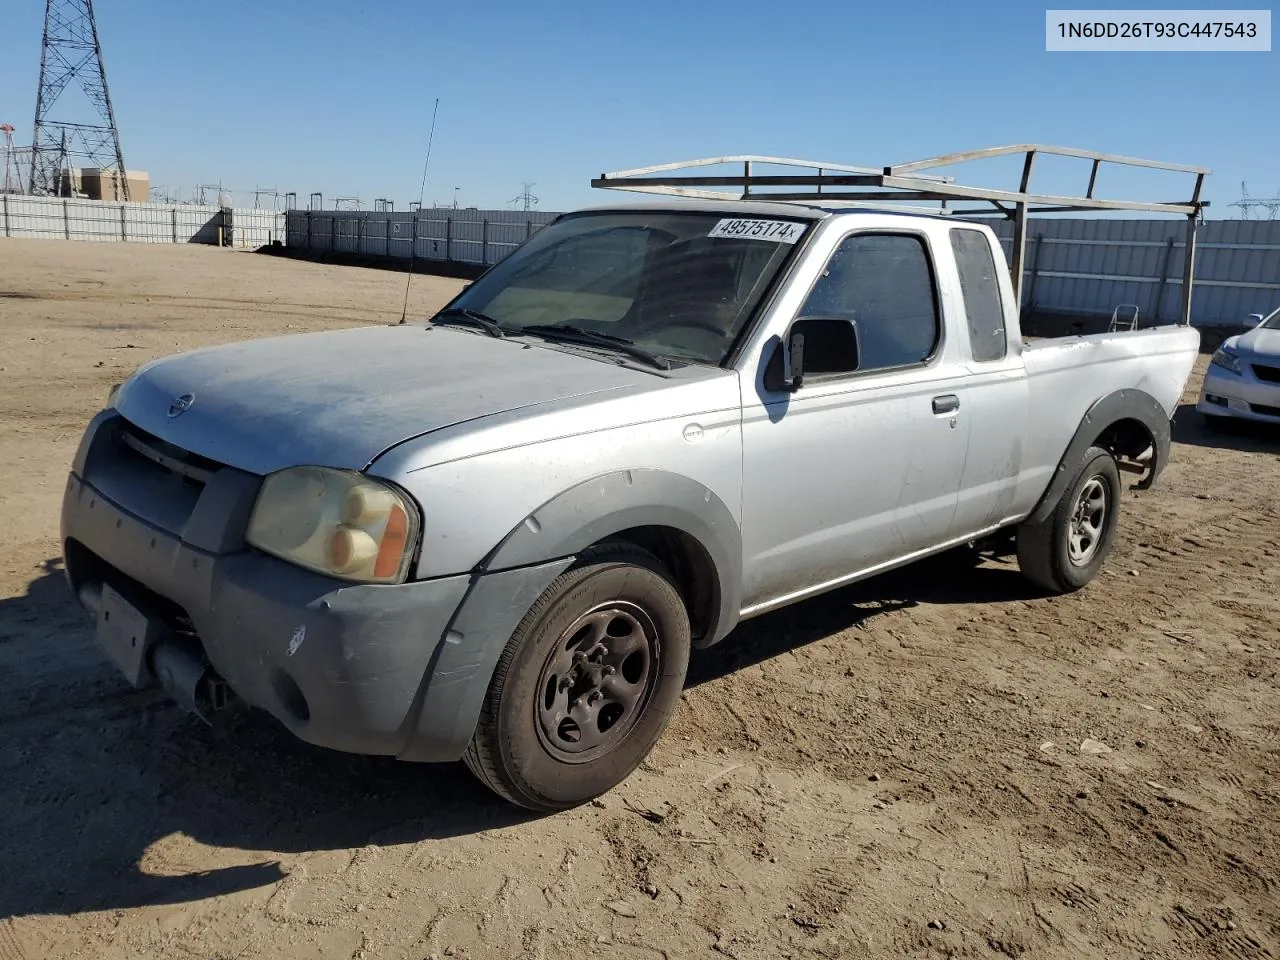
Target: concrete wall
x=67 y=219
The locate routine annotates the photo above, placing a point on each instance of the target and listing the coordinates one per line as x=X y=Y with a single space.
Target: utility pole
x=71 y=50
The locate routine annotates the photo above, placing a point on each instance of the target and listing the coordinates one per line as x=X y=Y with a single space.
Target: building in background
x=95 y=183
x=100 y=184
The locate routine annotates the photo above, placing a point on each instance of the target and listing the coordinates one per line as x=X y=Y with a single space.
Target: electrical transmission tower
x=219 y=193
x=526 y=198
x=71 y=51
x=10 y=161
x=260 y=192
x=1248 y=205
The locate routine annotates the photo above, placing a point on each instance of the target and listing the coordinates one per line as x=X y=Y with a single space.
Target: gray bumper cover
x=395 y=670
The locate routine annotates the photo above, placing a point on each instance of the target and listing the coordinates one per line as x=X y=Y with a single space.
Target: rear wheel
x=586 y=684
x=1066 y=550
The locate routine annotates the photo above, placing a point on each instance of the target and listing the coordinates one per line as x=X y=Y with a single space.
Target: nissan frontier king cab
x=496 y=536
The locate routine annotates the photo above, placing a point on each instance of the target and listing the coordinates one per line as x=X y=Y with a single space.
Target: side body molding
x=1111 y=409
x=626 y=499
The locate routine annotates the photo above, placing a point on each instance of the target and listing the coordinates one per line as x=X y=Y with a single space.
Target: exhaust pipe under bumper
x=91 y=597
x=180 y=668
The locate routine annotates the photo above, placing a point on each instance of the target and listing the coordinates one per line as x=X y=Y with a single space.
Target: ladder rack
x=833 y=184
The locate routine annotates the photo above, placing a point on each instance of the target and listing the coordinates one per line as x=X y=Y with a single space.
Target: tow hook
x=180 y=668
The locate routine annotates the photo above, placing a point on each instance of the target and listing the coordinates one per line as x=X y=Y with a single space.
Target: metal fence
x=96 y=220
x=1074 y=266
x=481 y=237
x=1091 y=266
x=253 y=228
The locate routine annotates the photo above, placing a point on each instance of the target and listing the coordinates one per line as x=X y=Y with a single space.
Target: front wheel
x=1066 y=550
x=586 y=683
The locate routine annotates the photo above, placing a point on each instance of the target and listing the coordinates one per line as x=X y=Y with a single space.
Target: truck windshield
x=680 y=285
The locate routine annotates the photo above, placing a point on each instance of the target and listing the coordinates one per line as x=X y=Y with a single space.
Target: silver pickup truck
x=497 y=535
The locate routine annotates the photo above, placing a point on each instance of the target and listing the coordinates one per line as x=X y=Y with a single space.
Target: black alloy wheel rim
x=597 y=680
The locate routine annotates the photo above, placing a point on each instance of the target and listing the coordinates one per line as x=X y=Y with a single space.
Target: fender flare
x=621 y=500
x=1127 y=404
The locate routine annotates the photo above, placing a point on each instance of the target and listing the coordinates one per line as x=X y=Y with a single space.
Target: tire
x=1066 y=551
x=529 y=745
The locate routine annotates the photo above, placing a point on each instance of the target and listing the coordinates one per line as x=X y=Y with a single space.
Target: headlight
x=1225 y=360
x=337 y=523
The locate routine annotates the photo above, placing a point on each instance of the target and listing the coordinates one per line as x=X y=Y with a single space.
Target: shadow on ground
x=99 y=773
x=1190 y=427
x=953 y=577
x=424 y=266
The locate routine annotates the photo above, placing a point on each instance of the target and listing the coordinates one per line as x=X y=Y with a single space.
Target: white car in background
x=1243 y=379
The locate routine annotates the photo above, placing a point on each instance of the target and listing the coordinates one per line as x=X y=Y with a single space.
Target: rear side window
x=883 y=282
x=981 y=292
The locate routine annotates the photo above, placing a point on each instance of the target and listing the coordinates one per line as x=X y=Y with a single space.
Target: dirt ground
x=894 y=770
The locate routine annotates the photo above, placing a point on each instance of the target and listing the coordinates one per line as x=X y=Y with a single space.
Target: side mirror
x=1253 y=320
x=812 y=346
x=793 y=359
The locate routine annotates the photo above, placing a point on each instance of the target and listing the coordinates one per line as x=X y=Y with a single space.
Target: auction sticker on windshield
x=779 y=231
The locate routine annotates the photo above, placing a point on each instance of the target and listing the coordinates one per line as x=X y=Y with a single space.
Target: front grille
x=151 y=479
x=1265 y=410
x=1264 y=372
x=193 y=470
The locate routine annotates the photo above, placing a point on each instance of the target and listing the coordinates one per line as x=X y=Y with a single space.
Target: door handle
x=949 y=403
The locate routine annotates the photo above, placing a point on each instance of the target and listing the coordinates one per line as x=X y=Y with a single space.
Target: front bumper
x=1244 y=395
x=396 y=670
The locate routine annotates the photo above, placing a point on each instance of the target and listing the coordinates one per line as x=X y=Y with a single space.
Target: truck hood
x=1263 y=343
x=341 y=398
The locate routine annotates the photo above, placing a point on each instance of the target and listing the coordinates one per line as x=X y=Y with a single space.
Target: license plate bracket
x=125 y=633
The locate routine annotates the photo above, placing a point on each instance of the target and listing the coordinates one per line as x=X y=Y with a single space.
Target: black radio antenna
x=413 y=251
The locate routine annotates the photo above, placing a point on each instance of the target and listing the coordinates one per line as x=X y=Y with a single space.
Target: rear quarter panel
x=1066 y=376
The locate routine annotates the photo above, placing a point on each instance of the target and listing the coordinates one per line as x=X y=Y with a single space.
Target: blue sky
x=310 y=95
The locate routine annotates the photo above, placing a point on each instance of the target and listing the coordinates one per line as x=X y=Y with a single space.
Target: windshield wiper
x=571 y=334
x=471 y=318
